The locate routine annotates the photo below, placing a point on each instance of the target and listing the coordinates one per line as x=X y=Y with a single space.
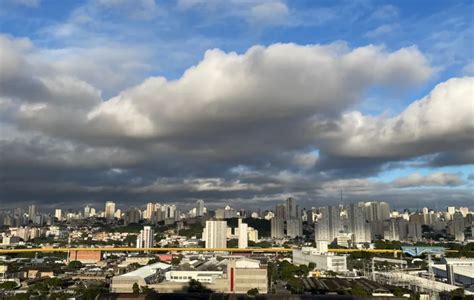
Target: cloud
x=273 y=121
x=269 y=13
x=382 y=30
x=137 y=9
x=441 y=121
x=434 y=179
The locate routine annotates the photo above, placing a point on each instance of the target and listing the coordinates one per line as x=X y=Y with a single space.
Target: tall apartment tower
x=199 y=208
x=150 y=208
x=458 y=226
x=87 y=211
x=215 y=234
x=358 y=224
x=145 y=239
x=277 y=227
x=292 y=209
x=329 y=225
x=109 y=209
x=58 y=214
x=32 y=212
x=242 y=233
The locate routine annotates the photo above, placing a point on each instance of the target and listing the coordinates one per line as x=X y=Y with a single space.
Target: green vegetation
x=193 y=230
x=288 y=273
x=252 y=292
x=8 y=285
x=74 y=264
x=197 y=287
x=233 y=243
x=358 y=290
x=176 y=260
x=262 y=225
x=136 y=288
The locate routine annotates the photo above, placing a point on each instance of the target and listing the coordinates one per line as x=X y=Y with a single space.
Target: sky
x=236 y=102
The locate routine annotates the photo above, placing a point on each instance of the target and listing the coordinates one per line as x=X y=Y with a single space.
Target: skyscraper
x=294 y=228
x=214 y=234
x=277 y=227
x=150 y=208
x=458 y=226
x=329 y=224
x=31 y=212
x=357 y=223
x=242 y=233
x=199 y=208
x=58 y=214
x=109 y=209
x=292 y=209
x=146 y=238
x=87 y=211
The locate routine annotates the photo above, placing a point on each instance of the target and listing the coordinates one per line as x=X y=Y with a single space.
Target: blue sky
x=114 y=45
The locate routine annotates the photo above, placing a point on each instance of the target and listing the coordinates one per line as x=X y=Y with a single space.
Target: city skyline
x=245 y=103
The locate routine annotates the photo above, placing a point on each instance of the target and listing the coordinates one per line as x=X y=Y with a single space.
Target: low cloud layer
x=269 y=122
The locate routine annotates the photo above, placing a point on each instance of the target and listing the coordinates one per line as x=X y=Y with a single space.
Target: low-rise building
x=143 y=277
x=245 y=274
x=323 y=261
x=186 y=276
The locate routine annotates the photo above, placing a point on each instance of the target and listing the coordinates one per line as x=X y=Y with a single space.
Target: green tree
x=136 y=288
x=8 y=285
x=252 y=292
x=358 y=290
x=176 y=260
x=197 y=287
x=75 y=264
x=295 y=285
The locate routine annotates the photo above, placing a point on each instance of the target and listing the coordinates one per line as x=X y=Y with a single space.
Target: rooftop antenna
x=341 y=197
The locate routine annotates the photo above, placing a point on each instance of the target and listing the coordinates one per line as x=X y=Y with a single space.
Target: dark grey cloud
x=242 y=128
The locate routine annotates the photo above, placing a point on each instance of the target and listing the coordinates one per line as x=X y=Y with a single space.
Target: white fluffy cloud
x=432 y=124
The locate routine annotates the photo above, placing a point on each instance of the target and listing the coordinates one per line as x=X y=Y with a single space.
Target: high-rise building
x=277 y=227
x=358 y=224
x=294 y=228
x=199 y=208
x=377 y=211
x=87 y=211
x=328 y=226
x=150 y=208
x=32 y=212
x=133 y=215
x=242 y=233
x=292 y=209
x=146 y=238
x=58 y=214
x=214 y=234
x=280 y=211
x=253 y=234
x=451 y=210
x=458 y=226
x=109 y=210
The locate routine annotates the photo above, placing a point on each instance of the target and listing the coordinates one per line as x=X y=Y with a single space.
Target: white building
x=214 y=234
x=326 y=261
x=142 y=276
x=458 y=227
x=150 y=208
x=109 y=210
x=146 y=238
x=199 y=208
x=186 y=276
x=58 y=214
x=242 y=233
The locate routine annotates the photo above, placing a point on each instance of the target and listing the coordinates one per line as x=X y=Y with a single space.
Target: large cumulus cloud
x=273 y=121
